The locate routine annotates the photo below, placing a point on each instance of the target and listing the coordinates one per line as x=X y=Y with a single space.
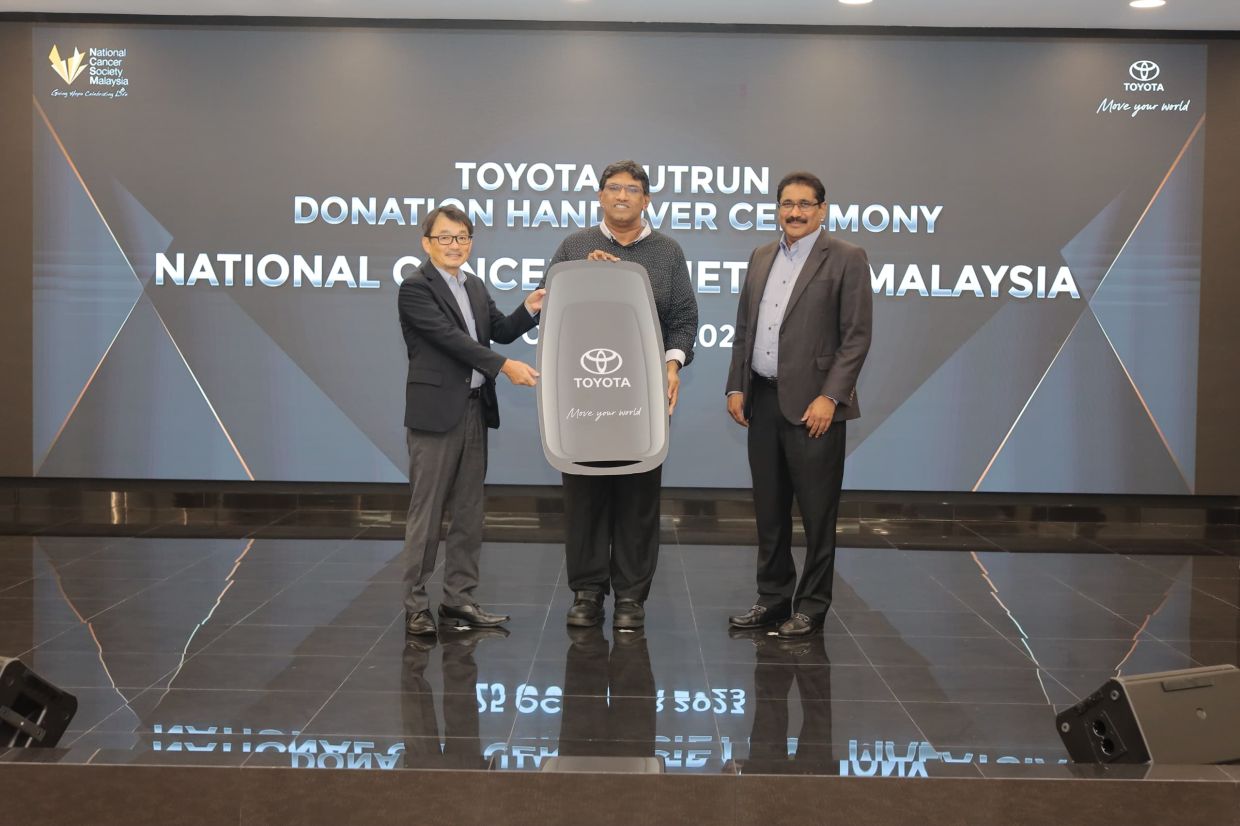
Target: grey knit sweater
x=669 y=279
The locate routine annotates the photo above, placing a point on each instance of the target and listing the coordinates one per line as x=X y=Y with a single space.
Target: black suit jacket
x=442 y=354
x=825 y=333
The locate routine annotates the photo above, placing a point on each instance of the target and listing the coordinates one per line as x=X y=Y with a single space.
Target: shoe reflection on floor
x=609 y=696
x=460 y=746
x=778 y=664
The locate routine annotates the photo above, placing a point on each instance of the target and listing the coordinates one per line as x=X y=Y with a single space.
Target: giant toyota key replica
x=602 y=395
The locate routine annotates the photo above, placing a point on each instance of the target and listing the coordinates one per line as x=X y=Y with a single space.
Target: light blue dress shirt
x=789 y=262
x=457 y=286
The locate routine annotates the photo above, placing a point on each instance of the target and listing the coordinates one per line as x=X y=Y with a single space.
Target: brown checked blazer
x=825 y=333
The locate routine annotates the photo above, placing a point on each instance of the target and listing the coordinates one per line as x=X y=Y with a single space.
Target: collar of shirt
x=450 y=278
x=645 y=233
x=800 y=247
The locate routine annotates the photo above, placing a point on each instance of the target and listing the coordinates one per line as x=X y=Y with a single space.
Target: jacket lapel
x=445 y=296
x=817 y=256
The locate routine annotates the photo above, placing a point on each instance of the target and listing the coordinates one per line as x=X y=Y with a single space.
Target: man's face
x=450 y=256
x=800 y=221
x=623 y=207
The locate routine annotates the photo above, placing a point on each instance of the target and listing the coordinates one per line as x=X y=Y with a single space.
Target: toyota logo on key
x=600 y=361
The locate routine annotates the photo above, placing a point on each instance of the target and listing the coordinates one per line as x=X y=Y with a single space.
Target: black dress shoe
x=585 y=638
x=796 y=647
x=753 y=635
x=801 y=625
x=472 y=616
x=420 y=624
x=629 y=614
x=421 y=643
x=630 y=637
x=758 y=616
x=587 y=609
x=468 y=637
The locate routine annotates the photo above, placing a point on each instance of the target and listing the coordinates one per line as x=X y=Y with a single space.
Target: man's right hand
x=736 y=408
x=519 y=373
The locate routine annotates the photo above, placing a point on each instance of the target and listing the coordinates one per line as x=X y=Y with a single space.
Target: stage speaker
x=1190 y=716
x=33 y=712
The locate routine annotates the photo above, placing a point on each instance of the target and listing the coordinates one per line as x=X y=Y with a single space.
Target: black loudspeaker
x=33 y=712
x=1190 y=716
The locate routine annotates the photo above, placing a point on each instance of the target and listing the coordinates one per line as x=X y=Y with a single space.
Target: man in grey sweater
x=612 y=522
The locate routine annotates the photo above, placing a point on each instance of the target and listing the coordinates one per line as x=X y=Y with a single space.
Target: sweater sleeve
x=680 y=321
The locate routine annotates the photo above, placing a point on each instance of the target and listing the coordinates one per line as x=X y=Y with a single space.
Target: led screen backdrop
x=222 y=217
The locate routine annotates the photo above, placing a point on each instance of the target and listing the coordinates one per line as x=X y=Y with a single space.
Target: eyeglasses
x=615 y=189
x=804 y=206
x=447 y=239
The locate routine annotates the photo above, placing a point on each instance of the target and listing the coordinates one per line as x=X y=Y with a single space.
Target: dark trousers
x=446 y=473
x=785 y=463
x=612 y=532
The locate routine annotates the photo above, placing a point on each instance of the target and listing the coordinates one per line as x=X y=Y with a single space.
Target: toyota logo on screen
x=1144 y=70
x=600 y=361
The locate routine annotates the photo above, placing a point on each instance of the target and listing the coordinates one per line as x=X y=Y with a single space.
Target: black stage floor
x=950 y=646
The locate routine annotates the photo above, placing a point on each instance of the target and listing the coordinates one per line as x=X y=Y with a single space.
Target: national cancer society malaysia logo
x=70 y=68
x=600 y=361
x=105 y=70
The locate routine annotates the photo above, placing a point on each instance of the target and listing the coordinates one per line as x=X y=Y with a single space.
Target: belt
x=476 y=393
x=760 y=379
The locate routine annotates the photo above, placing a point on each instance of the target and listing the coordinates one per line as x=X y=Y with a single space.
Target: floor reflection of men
x=778 y=664
x=461 y=747
x=609 y=696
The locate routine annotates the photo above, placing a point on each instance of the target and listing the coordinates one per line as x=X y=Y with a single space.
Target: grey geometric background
x=1120 y=386
x=224 y=126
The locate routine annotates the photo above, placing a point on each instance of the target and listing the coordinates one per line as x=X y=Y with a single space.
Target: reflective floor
x=948 y=651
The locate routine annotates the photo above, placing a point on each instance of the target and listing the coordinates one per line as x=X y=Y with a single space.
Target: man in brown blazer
x=802 y=334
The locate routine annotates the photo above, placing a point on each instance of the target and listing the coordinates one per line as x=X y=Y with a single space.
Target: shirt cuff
x=675 y=355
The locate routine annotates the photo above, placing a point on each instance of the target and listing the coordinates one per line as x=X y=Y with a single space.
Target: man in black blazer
x=449 y=320
x=802 y=334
